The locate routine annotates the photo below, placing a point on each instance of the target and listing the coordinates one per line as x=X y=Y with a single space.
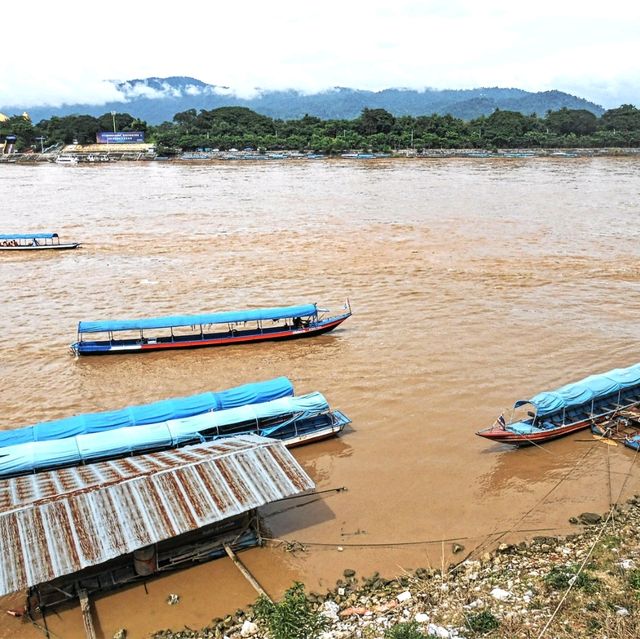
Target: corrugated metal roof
x=59 y=522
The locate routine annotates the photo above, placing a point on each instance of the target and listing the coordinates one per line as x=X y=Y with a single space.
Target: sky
x=57 y=52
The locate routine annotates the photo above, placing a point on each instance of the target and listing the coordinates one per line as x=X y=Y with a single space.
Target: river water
x=473 y=283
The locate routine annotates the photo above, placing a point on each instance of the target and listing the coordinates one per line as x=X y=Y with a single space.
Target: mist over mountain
x=157 y=100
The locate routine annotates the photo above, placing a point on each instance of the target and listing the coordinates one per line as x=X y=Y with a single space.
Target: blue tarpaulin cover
x=28 y=236
x=149 y=413
x=34 y=456
x=589 y=389
x=281 y=312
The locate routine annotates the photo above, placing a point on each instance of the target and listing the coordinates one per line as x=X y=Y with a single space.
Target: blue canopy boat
x=573 y=407
x=164 y=410
x=34 y=242
x=211 y=329
x=294 y=420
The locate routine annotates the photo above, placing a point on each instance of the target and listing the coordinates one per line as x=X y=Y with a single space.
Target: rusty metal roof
x=58 y=522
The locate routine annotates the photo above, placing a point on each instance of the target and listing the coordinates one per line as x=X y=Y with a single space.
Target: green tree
x=624 y=118
x=22 y=128
x=578 y=121
x=374 y=121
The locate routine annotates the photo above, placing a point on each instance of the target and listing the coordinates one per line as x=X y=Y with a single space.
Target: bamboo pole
x=248 y=576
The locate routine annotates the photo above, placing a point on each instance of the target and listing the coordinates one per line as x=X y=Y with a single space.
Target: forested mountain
x=157 y=100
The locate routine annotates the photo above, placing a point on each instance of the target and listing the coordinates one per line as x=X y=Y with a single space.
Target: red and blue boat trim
x=212 y=329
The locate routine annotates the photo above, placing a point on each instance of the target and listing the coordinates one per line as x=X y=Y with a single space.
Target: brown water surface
x=473 y=283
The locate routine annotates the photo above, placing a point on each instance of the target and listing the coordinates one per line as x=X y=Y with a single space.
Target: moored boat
x=568 y=409
x=294 y=420
x=163 y=410
x=34 y=242
x=623 y=427
x=67 y=159
x=212 y=329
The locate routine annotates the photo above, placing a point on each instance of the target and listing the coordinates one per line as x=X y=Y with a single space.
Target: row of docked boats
x=607 y=403
x=268 y=409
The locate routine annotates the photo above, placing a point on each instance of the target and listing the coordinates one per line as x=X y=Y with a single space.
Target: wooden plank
x=248 y=576
x=85 y=608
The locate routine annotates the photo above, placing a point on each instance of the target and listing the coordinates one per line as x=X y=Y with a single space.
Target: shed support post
x=85 y=608
x=248 y=576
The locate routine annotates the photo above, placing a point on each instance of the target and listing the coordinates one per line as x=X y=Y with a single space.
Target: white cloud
x=582 y=47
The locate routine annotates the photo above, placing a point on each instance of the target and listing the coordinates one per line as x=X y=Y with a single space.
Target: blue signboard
x=121 y=137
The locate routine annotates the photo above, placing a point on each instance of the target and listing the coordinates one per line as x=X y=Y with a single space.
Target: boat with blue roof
x=589 y=403
x=209 y=329
x=294 y=420
x=34 y=242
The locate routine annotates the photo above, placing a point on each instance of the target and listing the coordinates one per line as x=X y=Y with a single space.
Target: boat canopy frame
x=29 y=239
x=175 y=321
x=589 y=390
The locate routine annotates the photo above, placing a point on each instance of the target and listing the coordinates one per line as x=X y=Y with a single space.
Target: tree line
x=374 y=130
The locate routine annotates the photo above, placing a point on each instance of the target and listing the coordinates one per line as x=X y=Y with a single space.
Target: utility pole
x=113 y=116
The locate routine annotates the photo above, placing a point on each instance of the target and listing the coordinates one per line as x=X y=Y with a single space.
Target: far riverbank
x=78 y=155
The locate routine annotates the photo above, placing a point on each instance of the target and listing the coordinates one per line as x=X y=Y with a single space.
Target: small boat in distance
x=211 y=329
x=34 y=242
x=68 y=159
x=591 y=402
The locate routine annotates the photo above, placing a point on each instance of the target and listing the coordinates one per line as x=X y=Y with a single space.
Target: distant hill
x=157 y=100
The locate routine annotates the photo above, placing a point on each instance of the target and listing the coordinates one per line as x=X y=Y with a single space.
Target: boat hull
x=503 y=436
x=50 y=247
x=146 y=346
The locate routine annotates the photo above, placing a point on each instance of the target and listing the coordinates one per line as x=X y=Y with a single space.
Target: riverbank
x=92 y=155
x=583 y=585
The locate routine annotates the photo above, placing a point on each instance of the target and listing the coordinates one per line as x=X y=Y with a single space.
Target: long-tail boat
x=294 y=420
x=163 y=410
x=211 y=329
x=568 y=409
x=34 y=242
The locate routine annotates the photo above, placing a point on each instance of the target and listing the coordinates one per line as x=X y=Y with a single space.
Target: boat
x=623 y=428
x=293 y=420
x=140 y=415
x=34 y=242
x=212 y=329
x=68 y=159
x=573 y=407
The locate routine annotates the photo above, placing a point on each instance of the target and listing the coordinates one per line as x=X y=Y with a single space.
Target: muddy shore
x=585 y=584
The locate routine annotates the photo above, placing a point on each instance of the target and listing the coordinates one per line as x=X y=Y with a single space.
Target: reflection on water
x=473 y=283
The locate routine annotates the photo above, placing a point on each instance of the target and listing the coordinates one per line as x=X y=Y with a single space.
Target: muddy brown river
x=473 y=283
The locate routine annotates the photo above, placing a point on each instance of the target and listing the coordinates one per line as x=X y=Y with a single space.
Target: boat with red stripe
x=208 y=329
x=590 y=402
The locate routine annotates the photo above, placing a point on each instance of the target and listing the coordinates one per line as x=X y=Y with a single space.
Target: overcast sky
x=63 y=52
